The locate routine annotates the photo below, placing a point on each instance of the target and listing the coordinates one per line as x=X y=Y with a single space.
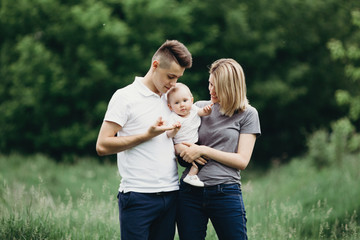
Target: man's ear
x=155 y=63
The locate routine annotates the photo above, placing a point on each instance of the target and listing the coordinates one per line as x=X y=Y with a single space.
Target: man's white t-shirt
x=150 y=166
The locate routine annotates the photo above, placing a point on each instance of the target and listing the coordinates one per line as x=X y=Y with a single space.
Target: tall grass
x=56 y=207
x=299 y=202
x=40 y=199
x=34 y=214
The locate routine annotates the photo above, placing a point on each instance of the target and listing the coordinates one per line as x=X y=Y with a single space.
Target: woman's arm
x=238 y=160
x=180 y=148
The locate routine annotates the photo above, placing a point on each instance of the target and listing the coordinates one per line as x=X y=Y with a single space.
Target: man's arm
x=108 y=143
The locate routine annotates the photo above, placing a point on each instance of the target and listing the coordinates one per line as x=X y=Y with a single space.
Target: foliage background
x=61 y=60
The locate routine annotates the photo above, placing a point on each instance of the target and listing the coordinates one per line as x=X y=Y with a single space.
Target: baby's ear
x=170 y=107
x=192 y=99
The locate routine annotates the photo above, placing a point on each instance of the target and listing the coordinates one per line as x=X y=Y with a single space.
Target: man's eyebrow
x=174 y=75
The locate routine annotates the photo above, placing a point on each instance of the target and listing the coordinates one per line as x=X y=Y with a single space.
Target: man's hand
x=160 y=127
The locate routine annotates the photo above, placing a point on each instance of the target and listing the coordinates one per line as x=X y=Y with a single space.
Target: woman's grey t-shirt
x=222 y=133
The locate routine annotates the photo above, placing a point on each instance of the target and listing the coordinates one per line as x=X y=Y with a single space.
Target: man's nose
x=173 y=83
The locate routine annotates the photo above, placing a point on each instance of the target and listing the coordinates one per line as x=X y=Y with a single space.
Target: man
x=134 y=128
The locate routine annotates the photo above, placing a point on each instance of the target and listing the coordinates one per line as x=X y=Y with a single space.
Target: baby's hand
x=207 y=109
x=177 y=126
x=173 y=130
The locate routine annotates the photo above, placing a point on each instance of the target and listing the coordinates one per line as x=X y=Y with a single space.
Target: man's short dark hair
x=173 y=50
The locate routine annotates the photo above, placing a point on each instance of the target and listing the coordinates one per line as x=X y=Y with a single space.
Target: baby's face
x=181 y=102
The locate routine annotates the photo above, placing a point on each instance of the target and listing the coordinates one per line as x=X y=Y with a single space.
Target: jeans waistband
x=220 y=186
x=156 y=193
x=163 y=193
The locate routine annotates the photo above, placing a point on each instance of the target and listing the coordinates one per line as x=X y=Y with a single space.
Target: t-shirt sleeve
x=117 y=109
x=195 y=108
x=251 y=123
x=201 y=104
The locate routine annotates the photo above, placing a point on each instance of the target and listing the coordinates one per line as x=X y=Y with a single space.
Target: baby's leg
x=194 y=169
x=192 y=178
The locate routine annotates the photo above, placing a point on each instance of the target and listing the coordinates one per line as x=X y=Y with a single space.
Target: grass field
x=40 y=199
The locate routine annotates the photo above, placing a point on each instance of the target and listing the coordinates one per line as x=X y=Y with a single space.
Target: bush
x=318 y=148
x=327 y=149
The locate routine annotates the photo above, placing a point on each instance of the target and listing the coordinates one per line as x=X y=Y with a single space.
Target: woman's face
x=212 y=91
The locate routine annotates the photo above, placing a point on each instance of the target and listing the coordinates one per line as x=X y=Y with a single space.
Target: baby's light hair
x=175 y=89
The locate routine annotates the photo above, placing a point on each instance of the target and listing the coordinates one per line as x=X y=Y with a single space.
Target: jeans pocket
x=124 y=199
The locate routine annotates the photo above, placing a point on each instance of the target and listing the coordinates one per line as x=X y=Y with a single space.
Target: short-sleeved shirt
x=222 y=133
x=150 y=166
x=189 y=126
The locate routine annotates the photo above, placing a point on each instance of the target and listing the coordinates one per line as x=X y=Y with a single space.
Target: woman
x=226 y=138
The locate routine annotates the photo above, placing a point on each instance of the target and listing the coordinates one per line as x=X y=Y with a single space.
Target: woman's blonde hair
x=230 y=86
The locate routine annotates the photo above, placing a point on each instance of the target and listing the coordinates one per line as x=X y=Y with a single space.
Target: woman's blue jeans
x=222 y=204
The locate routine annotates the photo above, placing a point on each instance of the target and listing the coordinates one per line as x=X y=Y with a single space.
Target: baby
x=180 y=102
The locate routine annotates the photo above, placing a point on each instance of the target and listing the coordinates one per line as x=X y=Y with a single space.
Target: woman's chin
x=214 y=100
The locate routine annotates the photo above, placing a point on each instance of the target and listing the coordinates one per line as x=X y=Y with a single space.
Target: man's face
x=164 y=79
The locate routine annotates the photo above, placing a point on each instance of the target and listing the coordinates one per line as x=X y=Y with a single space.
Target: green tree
x=60 y=62
x=294 y=79
x=326 y=148
x=348 y=97
x=282 y=48
x=54 y=59
x=348 y=52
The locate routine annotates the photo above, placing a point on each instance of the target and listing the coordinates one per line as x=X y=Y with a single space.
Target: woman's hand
x=191 y=153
